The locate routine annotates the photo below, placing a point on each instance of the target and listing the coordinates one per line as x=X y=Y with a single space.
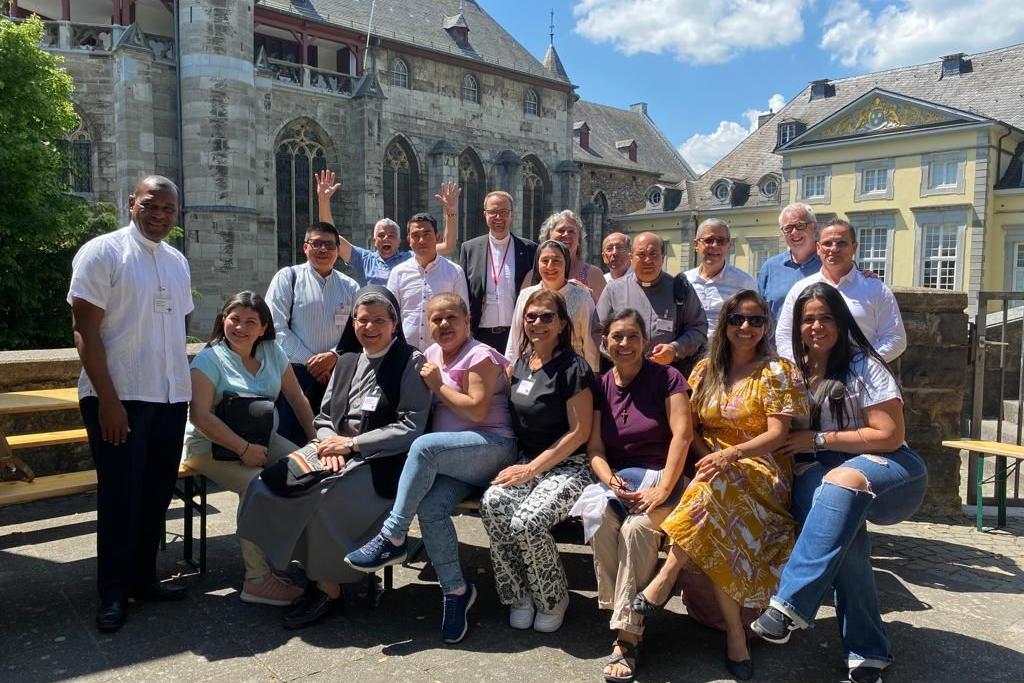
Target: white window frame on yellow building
x=928 y=161
x=867 y=223
x=769 y=246
x=879 y=168
x=802 y=174
x=929 y=218
x=1014 y=241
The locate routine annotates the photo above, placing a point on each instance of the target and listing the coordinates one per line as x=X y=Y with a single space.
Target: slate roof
x=421 y=23
x=655 y=154
x=993 y=89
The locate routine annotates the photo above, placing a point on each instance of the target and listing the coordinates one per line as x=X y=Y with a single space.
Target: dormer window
x=789 y=131
x=769 y=187
x=581 y=131
x=720 y=190
x=531 y=104
x=654 y=196
x=627 y=148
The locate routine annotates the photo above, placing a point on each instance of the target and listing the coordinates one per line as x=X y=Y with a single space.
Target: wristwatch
x=819 y=441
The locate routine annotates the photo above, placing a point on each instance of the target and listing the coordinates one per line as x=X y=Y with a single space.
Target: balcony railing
x=305 y=76
x=79 y=37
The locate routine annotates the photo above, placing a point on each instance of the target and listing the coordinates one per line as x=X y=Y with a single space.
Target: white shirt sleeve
x=461 y=288
x=877 y=385
x=784 y=327
x=892 y=336
x=91 y=275
x=515 y=332
x=279 y=298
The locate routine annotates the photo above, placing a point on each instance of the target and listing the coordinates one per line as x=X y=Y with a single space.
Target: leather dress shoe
x=160 y=592
x=315 y=605
x=112 y=615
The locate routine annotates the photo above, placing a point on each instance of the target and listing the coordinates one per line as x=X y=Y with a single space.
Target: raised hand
x=449 y=196
x=325 y=185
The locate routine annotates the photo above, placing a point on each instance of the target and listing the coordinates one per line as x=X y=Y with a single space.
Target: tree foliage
x=41 y=225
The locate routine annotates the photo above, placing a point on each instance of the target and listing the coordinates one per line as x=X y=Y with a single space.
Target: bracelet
x=247 y=444
x=738 y=451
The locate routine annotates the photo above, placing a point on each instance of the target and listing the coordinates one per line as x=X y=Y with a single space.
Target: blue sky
x=705 y=68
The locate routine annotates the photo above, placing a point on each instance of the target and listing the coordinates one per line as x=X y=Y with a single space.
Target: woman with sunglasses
x=856 y=408
x=552 y=262
x=552 y=411
x=733 y=523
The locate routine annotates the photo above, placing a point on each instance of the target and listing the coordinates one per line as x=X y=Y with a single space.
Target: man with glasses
x=421 y=277
x=779 y=273
x=615 y=254
x=310 y=304
x=496 y=265
x=871 y=302
x=675 y=320
x=713 y=279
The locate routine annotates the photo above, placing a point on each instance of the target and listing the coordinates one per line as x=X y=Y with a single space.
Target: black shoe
x=112 y=615
x=866 y=674
x=742 y=670
x=160 y=592
x=773 y=626
x=313 y=606
x=645 y=608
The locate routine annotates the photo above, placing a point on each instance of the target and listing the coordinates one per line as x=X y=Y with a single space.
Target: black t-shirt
x=540 y=397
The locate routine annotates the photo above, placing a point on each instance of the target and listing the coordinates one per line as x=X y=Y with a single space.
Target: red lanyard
x=490 y=262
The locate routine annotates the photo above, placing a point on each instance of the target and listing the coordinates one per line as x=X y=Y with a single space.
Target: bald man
x=676 y=324
x=130 y=292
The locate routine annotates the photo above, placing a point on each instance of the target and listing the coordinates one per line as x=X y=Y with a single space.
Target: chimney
x=639 y=108
x=764 y=118
x=954 y=65
x=822 y=88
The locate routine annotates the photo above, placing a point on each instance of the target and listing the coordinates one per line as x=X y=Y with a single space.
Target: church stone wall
x=623 y=189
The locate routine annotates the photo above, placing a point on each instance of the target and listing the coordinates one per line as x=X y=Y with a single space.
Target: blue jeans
x=441 y=470
x=833 y=548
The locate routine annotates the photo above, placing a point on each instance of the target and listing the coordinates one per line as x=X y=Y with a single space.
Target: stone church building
x=242 y=102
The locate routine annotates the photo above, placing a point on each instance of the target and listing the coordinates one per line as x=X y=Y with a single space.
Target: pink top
x=498 y=420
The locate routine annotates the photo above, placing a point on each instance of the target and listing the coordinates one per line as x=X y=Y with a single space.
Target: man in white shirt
x=129 y=295
x=615 y=252
x=311 y=304
x=496 y=265
x=421 y=277
x=713 y=279
x=871 y=302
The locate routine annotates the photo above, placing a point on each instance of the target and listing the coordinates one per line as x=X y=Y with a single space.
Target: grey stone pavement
x=953 y=600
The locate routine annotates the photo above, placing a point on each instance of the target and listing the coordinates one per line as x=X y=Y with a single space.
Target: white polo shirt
x=714 y=291
x=145 y=291
x=413 y=285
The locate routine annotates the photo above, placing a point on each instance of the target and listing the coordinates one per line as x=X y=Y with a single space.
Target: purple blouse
x=498 y=419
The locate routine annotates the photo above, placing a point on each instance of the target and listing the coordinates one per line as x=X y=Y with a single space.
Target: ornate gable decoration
x=880 y=112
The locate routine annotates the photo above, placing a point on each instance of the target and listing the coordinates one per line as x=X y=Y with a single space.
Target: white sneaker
x=549 y=622
x=520 y=615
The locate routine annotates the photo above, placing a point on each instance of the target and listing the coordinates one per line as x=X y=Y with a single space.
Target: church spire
x=551 y=60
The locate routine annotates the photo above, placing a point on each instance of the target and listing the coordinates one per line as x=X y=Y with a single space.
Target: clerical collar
x=379 y=354
x=141 y=238
x=502 y=241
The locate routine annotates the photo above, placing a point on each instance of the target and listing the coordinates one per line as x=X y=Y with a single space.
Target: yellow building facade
x=924 y=161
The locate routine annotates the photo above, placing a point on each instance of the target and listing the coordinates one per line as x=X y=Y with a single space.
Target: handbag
x=296 y=474
x=251 y=417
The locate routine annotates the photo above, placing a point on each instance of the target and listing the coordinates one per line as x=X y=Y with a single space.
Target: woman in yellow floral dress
x=733 y=522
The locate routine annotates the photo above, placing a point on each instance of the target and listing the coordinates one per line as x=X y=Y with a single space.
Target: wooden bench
x=1003 y=470
x=191 y=487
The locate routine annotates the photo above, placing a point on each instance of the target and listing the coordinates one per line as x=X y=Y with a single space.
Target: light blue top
x=778 y=275
x=368 y=268
x=224 y=368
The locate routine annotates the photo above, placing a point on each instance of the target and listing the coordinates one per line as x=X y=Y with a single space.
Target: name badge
x=662 y=325
x=524 y=387
x=340 y=316
x=370 y=403
x=492 y=297
x=161 y=304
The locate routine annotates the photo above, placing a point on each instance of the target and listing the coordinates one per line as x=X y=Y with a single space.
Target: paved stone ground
x=953 y=600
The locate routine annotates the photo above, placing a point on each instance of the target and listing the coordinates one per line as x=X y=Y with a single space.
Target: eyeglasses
x=321 y=244
x=498 y=213
x=799 y=226
x=714 y=241
x=612 y=248
x=737 y=320
x=545 y=318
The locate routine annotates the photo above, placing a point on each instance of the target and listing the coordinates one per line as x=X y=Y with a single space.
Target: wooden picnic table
x=38 y=401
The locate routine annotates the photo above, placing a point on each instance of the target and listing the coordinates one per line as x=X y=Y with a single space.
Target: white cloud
x=703 y=150
x=917 y=31
x=696 y=31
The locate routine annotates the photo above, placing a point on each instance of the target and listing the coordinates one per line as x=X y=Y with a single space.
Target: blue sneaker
x=454 y=622
x=378 y=553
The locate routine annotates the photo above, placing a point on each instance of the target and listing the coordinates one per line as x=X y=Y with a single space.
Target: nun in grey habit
x=375 y=407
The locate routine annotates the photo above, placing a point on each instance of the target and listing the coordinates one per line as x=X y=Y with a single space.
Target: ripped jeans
x=833 y=549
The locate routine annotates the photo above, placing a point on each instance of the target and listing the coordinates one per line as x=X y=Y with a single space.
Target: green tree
x=41 y=225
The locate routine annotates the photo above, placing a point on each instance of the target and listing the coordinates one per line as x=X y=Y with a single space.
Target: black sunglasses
x=545 y=318
x=737 y=320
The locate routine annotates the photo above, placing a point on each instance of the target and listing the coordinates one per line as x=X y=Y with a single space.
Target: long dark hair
x=851 y=345
x=252 y=301
x=720 y=351
x=561 y=248
x=553 y=300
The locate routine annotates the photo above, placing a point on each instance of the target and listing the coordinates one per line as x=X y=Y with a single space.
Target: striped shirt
x=309 y=317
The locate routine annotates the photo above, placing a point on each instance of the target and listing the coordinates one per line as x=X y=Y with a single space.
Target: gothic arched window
x=401 y=181
x=535 y=196
x=299 y=153
x=78 y=160
x=532 y=103
x=473 y=184
x=470 y=89
x=399 y=73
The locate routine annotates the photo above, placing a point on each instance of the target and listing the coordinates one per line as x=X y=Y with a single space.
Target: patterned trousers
x=518 y=520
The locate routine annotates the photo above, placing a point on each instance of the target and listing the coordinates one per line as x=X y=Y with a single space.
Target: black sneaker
x=773 y=626
x=866 y=674
x=454 y=621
